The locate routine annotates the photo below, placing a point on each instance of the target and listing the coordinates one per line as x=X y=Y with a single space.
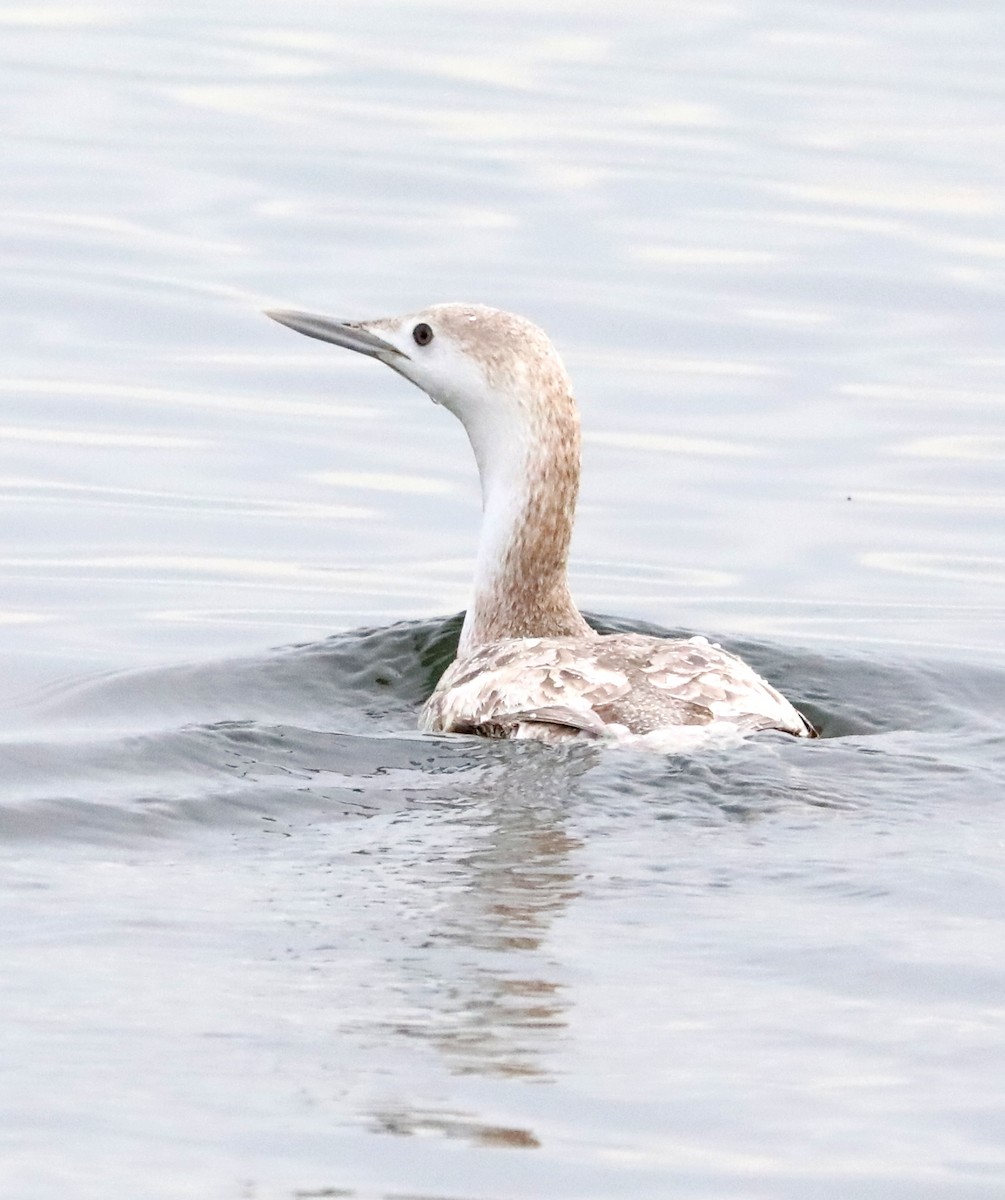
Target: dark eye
x=423 y=334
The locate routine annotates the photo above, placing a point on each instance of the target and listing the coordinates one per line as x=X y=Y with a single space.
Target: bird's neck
x=530 y=481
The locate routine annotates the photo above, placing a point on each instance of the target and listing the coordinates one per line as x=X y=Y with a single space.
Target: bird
x=528 y=666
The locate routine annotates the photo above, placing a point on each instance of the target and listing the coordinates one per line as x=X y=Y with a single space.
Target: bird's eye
x=423 y=334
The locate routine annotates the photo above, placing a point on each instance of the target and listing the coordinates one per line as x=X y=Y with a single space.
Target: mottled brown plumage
x=618 y=686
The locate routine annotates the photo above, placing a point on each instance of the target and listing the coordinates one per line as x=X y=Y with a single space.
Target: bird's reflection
x=486 y=992
x=499 y=1007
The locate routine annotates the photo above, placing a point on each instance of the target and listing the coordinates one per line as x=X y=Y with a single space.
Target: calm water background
x=260 y=939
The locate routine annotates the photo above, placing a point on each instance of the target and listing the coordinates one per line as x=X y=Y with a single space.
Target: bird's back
x=616 y=686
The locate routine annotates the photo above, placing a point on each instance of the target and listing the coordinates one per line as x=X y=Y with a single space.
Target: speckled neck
x=530 y=482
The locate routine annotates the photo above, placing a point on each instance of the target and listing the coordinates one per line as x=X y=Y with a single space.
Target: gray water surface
x=263 y=940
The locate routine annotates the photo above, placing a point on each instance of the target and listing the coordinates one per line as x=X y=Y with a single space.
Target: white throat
x=527 y=452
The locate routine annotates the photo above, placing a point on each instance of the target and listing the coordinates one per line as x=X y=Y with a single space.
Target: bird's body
x=528 y=665
x=624 y=687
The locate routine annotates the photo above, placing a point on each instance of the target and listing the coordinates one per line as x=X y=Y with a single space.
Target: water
x=263 y=940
